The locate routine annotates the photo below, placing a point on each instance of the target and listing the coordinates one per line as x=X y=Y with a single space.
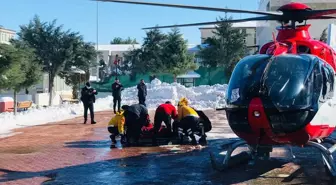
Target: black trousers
x=161 y=116
x=142 y=100
x=133 y=127
x=188 y=126
x=115 y=101
x=90 y=107
x=114 y=132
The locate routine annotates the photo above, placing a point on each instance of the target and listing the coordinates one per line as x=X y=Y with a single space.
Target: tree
x=133 y=63
x=52 y=46
x=226 y=48
x=84 y=56
x=24 y=69
x=152 y=51
x=118 y=40
x=10 y=60
x=176 y=59
x=324 y=36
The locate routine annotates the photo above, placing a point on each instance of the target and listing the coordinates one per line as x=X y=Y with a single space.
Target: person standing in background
x=142 y=92
x=88 y=98
x=117 y=87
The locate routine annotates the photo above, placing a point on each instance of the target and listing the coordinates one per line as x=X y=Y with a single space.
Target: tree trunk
x=51 y=85
x=74 y=92
x=175 y=78
x=15 y=102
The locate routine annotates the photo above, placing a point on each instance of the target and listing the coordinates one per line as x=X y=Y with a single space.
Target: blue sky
x=115 y=20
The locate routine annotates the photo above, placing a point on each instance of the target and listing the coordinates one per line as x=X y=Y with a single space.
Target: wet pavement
x=69 y=152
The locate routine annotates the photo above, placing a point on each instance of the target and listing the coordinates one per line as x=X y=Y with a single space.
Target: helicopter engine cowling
x=273 y=99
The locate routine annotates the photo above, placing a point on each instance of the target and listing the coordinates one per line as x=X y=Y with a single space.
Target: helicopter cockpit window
x=288 y=83
x=245 y=80
x=303 y=49
x=328 y=78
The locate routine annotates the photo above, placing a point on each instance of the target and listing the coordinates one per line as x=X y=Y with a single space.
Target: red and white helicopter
x=283 y=95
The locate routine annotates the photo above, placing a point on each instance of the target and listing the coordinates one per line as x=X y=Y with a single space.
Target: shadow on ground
x=191 y=167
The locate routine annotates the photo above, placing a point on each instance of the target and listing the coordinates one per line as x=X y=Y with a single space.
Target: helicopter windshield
x=245 y=80
x=288 y=83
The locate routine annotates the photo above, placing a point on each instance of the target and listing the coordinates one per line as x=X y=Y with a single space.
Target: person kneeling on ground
x=164 y=113
x=116 y=128
x=136 y=116
x=188 y=121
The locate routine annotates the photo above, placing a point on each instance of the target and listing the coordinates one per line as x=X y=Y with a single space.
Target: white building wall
x=6 y=35
x=250 y=28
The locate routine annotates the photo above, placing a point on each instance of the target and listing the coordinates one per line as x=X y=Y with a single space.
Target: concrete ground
x=69 y=152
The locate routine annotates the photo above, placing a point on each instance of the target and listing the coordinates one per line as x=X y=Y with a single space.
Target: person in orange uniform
x=116 y=127
x=164 y=113
x=188 y=121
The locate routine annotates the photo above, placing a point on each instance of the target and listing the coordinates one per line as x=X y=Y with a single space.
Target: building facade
x=6 y=35
x=266 y=28
x=248 y=27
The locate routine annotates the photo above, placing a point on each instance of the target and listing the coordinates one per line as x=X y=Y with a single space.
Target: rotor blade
x=324 y=17
x=316 y=13
x=263 y=18
x=193 y=7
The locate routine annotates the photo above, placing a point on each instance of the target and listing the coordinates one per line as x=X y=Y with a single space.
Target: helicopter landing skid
x=254 y=153
x=229 y=160
x=326 y=153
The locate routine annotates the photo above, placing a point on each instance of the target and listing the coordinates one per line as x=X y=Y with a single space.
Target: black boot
x=123 y=139
x=203 y=140
x=93 y=122
x=113 y=140
x=154 y=142
x=193 y=140
x=181 y=139
x=85 y=121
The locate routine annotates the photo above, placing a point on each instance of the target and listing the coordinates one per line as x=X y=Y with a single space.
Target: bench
x=68 y=98
x=23 y=105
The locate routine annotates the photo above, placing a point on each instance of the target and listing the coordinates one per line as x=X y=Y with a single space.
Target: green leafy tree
x=24 y=69
x=133 y=63
x=52 y=46
x=152 y=51
x=84 y=57
x=118 y=40
x=176 y=59
x=10 y=60
x=324 y=36
x=225 y=48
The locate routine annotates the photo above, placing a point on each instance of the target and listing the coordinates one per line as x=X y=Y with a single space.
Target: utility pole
x=240 y=8
x=97 y=21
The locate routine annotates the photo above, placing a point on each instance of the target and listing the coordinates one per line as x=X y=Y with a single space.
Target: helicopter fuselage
x=284 y=94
